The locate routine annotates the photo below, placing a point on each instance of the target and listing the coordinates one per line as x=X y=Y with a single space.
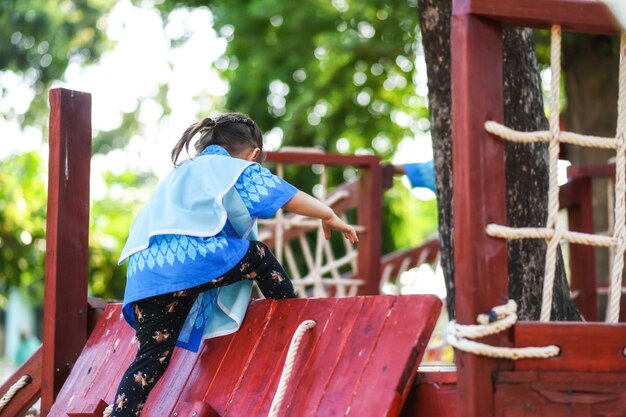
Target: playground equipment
x=576 y=368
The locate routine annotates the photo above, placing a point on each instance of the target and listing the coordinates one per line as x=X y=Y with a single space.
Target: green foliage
x=22 y=225
x=23 y=200
x=42 y=37
x=336 y=75
x=110 y=221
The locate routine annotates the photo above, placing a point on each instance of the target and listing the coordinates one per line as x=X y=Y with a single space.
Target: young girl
x=193 y=252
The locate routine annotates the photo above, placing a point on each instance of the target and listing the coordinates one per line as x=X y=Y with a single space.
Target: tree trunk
x=526 y=166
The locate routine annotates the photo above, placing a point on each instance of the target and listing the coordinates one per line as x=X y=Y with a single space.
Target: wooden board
x=560 y=394
x=587 y=347
x=363 y=354
x=589 y=16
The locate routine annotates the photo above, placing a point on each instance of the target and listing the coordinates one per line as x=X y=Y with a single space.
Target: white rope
x=544 y=136
x=499 y=319
x=553 y=188
x=108 y=411
x=506 y=232
x=21 y=383
x=620 y=188
x=283 y=383
x=552 y=233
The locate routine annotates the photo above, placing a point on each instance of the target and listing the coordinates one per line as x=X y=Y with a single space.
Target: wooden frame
x=575 y=196
x=67 y=239
x=370 y=197
x=479 y=199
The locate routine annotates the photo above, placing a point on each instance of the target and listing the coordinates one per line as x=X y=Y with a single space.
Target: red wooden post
x=577 y=196
x=479 y=196
x=67 y=231
x=369 y=215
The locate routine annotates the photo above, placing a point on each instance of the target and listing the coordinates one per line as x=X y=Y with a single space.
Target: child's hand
x=335 y=223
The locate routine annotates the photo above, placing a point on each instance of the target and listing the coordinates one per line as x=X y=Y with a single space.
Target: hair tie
x=241 y=119
x=207 y=122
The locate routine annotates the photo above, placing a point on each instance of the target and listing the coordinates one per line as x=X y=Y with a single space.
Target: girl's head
x=235 y=132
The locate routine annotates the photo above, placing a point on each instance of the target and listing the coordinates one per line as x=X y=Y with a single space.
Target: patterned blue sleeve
x=263 y=192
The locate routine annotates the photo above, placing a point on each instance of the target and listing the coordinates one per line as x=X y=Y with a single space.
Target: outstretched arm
x=306 y=205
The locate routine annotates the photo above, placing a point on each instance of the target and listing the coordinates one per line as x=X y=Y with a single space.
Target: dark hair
x=234 y=132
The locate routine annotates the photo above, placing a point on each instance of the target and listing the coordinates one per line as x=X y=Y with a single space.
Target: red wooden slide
x=360 y=359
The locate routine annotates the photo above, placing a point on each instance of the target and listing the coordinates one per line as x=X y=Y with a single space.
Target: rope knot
x=498 y=319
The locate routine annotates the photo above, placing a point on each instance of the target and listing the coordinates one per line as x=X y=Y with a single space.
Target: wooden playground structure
x=562 y=369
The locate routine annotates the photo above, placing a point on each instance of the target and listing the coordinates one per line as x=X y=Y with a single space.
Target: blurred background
x=342 y=76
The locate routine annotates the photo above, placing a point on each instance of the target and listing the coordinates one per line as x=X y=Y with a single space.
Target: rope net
x=325 y=268
x=552 y=232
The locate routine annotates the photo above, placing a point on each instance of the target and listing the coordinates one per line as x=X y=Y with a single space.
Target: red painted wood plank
x=165 y=394
x=195 y=409
x=242 y=351
x=210 y=356
x=218 y=371
x=86 y=368
x=591 y=170
x=111 y=362
x=582 y=257
x=427 y=252
x=560 y=394
x=126 y=351
x=28 y=395
x=308 y=158
x=87 y=408
x=269 y=355
x=311 y=386
x=574 y=15
x=479 y=195
x=261 y=379
x=237 y=375
x=405 y=334
x=358 y=347
x=433 y=395
x=67 y=238
x=584 y=346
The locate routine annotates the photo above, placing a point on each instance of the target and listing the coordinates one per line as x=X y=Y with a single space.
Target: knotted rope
x=21 y=383
x=499 y=319
x=283 y=383
x=551 y=232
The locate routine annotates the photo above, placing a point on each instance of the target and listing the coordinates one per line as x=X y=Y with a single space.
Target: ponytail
x=232 y=131
x=189 y=133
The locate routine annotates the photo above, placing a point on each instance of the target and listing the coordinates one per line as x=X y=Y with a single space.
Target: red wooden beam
x=427 y=252
x=67 y=232
x=308 y=158
x=28 y=395
x=561 y=394
x=479 y=197
x=591 y=170
x=591 y=348
x=576 y=197
x=588 y=16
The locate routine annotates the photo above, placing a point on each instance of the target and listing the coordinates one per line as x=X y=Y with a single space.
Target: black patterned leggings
x=160 y=319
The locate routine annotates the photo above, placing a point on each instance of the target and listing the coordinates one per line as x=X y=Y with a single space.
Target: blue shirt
x=421 y=174
x=174 y=262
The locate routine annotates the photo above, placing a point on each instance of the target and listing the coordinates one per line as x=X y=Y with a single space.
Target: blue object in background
x=421 y=174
